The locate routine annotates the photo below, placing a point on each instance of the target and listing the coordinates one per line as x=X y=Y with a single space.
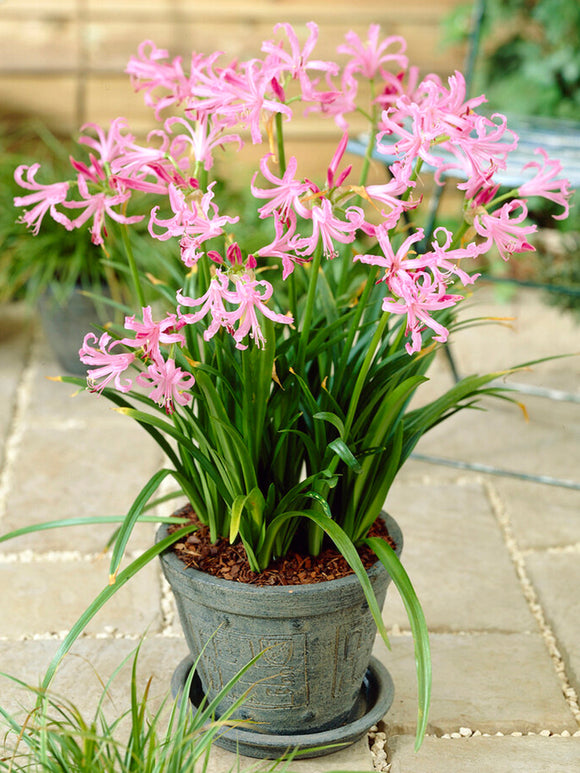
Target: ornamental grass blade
x=400 y=578
x=122 y=578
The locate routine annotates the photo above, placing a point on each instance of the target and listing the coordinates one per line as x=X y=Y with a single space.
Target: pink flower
x=285 y=243
x=169 y=384
x=329 y=228
x=389 y=193
x=547 y=184
x=441 y=256
x=369 y=57
x=335 y=101
x=504 y=231
x=399 y=261
x=285 y=190
x=212 y=303
x=419 y=294
x=45 y=199
x=108 y=145
x=297 y=61
x=106 y=366
x=196 y=219
x=149 y=73
x=482 y=150
x=204 y=137
x=149 y=334
x=97 y=205
x=250 y=301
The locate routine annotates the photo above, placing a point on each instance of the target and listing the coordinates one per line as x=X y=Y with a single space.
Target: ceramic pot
x=316 y=639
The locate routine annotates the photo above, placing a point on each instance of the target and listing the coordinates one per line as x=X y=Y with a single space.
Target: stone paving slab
x=15 y=335
x=87 y=667
x=541 y=516
x=536 y=330
x=111 y=462
x=556 y=578
x=530 y=754
x=356 y=757
x=90 y=664
x=546 y=444
x=488 y=682
x=450 y=533
x=49 y=596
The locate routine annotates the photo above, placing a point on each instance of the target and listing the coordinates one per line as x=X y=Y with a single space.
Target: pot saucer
x=375 y=699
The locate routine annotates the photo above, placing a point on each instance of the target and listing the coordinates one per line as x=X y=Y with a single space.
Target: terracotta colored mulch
x=230 y=563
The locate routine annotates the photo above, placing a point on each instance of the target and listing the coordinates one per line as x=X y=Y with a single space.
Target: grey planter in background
x=66 y=323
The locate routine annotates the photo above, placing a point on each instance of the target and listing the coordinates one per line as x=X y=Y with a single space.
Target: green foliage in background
x=529 y=60
x=58 y=259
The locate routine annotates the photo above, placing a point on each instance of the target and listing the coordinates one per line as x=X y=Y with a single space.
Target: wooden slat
x=50 y=99
x=93 y=39
x=37 y=9
x=35 y=44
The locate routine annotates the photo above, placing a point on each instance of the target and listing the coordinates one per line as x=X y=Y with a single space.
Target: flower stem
x=280 y=144
x=133 y=266
x=354 y=325
x=353 y=404
x=309 y=310
x=372 y=137
x=282 y=167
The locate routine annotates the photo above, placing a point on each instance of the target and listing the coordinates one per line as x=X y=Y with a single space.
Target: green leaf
x=94 y=520
x=344 y=545
x=182 y=440
x=332 y=418
x=341 y=449
x=392 y=564
x=131 y=518
x=236 y=516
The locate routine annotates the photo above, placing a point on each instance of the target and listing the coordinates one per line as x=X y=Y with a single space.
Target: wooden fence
x=63 y=61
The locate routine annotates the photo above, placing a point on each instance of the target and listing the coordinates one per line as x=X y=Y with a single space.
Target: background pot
x=66 y=322
x=317 y=641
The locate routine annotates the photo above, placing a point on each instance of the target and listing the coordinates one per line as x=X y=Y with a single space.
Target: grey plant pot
x=374 y=700
x=66 y=324
x=317 y=641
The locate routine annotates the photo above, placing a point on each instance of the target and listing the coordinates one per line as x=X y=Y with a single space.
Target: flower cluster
x=415 y=122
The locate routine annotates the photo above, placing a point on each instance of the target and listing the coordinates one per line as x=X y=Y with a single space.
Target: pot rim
x=175 y=564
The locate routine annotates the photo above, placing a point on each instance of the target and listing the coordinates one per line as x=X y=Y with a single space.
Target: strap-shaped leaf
x=341 y=449
x=400 y=578
x=131 y=519
x=344 y=545
x=332 y=418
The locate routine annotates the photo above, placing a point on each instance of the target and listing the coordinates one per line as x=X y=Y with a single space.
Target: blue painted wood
x=560 y=139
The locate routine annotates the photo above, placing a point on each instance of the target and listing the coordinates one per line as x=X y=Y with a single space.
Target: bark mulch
x=229 y=562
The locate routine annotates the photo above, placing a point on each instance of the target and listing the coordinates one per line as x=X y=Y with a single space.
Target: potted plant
x=280 y=382
x=65 y=273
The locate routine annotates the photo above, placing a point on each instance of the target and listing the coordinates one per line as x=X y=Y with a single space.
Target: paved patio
x=495 y=559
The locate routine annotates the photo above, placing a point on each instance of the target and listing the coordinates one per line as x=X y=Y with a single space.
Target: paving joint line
x=531 y=597
x=28 y=556
x=17 y=423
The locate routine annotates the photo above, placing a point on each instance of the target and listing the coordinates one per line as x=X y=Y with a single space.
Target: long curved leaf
x=131 y=518
x=346 y=548
x=400 y=578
